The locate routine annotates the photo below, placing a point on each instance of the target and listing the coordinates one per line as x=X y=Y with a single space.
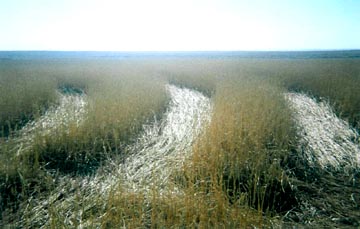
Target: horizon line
x=183 y=51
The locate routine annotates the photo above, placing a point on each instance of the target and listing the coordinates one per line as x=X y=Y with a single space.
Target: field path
x=327 y=188
x=162 y=148
x=328 y=140
x=70 y=111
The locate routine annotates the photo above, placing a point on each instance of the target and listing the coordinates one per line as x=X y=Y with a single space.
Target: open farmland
x=180 y=140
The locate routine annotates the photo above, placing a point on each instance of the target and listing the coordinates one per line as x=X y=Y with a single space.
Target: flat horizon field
x=203 y=139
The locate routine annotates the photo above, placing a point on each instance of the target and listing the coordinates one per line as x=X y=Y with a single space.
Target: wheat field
x=177 y=141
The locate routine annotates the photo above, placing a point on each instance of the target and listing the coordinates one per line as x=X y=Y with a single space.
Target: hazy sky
x=166 y=25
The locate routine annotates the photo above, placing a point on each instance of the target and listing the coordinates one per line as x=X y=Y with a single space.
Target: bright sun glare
x=161 y=25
